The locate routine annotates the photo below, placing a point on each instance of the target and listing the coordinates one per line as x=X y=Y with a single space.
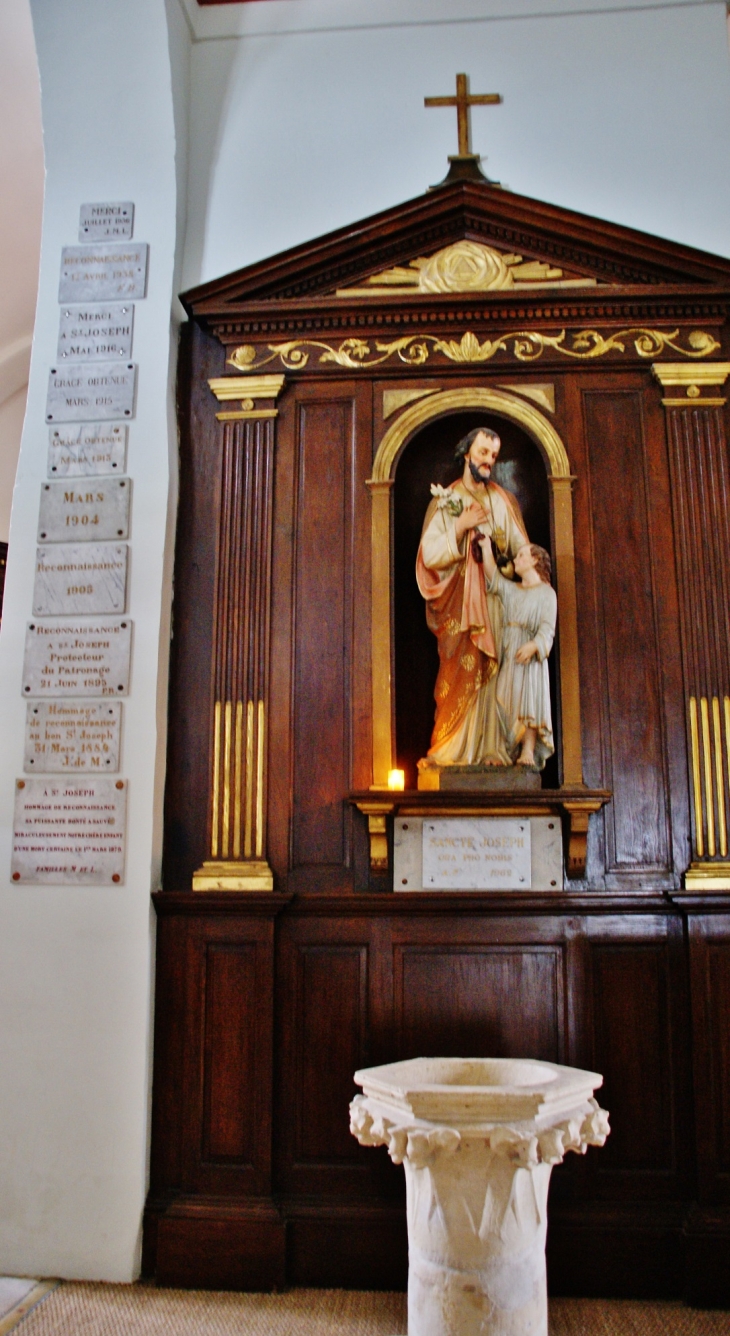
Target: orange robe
x=467 y=623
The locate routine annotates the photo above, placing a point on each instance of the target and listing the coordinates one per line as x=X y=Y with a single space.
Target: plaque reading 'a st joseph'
x=69 y=830
x=95 y=333
x=67 y=657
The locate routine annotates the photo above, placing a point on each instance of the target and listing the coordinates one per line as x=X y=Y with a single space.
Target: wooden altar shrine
x=319 y=392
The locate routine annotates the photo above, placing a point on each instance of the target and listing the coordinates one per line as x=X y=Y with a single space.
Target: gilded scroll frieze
x=525 y=345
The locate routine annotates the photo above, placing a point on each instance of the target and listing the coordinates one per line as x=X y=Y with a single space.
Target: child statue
x=523 y=688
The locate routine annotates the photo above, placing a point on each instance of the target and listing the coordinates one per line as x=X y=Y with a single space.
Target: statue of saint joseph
x=466 y=619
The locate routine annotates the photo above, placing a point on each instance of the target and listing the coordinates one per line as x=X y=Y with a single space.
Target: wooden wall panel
x=484 y=1001
x=321 y=673
x=710 y=971
x=634 y=752
x=632 y=1049
x=718 y=961
x=229 y=1054
x=332 y=1044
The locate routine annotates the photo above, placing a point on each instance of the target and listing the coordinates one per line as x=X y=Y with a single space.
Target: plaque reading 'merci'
x=74 y=657
x=72 y=735
x=80 y=578
x=95 y=333
x=80 y=451
x=472 y=853
x=97 y=222
x=84 y=511
x=81 y=393
x=69 y=830
x=103 y=273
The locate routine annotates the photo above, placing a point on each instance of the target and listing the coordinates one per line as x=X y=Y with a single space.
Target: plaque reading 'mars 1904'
x=69 y=830
x=84 y=511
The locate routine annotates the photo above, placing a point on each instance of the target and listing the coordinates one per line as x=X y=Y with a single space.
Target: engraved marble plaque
x=103 y=273
x=80 y=451
x=546 y=855
x=475 y=853
x=72 y=735
x=69 y=830
x=84 y=511
x=95 y=333
x=70 y=657
x=84 y=577
x=80 y=393
x=99 y=222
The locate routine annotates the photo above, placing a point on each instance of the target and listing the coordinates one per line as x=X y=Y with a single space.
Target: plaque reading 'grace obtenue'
x=102 y=222
x=95 y=333
x=72 y=735
x=103 y=273
x=69 y=830
x=80 y=578
x=470 y=853
x=80 y=451
x=73 y=657
x=84 y=511
x=81 y=393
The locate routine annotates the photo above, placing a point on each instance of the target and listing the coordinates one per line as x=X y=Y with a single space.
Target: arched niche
x=500 y=404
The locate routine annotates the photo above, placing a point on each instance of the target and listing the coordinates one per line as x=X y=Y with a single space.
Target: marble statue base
x=478 y=1139
x=479 y=778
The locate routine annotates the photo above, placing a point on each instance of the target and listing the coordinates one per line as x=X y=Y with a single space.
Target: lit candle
x=396 y=779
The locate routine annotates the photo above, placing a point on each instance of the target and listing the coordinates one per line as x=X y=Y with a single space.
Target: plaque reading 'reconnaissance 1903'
x=69 y=830
x=103 y=273
x=95 y=333
x=102 y=222
x=81 y=451
x=63 y=736
x=81 y=393
x=84 y=511
x=80 y=578
x=66 y=656
x=469 y=853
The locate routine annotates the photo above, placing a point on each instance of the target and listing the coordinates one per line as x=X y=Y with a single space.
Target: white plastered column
x=77 y=962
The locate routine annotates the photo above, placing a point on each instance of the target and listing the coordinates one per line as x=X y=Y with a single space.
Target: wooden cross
x=463 y=101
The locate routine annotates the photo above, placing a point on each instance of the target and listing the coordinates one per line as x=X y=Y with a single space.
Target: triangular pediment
x=458 y=239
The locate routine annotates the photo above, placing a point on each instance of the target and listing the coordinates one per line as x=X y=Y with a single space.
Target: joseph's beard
x=479 y=475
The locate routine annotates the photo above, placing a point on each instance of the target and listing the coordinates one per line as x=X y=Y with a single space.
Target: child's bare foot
x=525 y=758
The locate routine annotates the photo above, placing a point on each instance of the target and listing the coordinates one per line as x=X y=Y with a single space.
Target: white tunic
x=523 y=689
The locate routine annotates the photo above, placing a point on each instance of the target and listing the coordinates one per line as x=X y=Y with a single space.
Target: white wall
x=308 y=114
x=21 y=206
x=76 y=962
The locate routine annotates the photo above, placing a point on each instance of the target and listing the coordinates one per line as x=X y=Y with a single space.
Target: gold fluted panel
x=237 y=834
x=709 y=728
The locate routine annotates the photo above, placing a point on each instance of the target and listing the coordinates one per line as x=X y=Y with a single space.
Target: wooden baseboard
x=217 y=1246
x=638 y=1251
x=627 y=1252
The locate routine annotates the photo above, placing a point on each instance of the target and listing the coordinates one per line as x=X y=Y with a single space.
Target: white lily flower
x=446 y=499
